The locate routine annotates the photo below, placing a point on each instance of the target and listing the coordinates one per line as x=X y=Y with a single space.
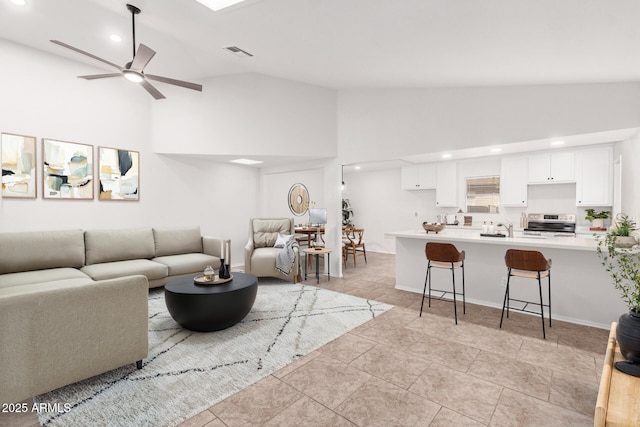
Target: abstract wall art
x=67 y=170
x=119 y=174
x=18 y=154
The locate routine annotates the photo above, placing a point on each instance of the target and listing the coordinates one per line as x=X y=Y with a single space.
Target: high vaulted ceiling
x=351 y=43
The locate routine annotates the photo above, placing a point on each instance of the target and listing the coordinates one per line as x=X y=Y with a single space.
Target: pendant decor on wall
x=67 y=170
x=298 y=199
x=119 y=174
x=18 y=153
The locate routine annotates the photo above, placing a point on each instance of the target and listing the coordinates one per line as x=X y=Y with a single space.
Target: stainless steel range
x=551 y=225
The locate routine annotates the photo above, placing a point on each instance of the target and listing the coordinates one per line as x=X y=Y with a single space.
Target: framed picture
x=119 y=174
x=18 y=154
x=67 y=170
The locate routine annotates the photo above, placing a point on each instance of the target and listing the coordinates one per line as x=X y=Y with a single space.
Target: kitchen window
x=483 y=194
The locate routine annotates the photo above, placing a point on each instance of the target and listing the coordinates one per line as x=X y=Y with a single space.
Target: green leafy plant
x=623 y=226
x=622 y=264
x=347 y=213
x=592 y=214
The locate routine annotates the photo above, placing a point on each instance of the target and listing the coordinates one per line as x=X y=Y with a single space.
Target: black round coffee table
x=206 y=308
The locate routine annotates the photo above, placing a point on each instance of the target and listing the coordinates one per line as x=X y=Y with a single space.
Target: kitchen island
x=581 y=290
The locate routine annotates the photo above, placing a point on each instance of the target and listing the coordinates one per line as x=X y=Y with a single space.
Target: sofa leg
x=139 y=364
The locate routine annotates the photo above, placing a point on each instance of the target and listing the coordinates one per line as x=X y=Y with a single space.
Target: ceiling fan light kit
x=134 y=70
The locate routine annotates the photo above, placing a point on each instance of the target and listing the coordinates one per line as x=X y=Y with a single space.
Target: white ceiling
x=352 y=43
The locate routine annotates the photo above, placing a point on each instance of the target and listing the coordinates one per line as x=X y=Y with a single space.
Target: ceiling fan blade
x=142 y=57
x=181 y=83
x=152 y=90
x=100 y=76
x=59 y=43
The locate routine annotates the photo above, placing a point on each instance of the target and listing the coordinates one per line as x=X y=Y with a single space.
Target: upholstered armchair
x=260 y=254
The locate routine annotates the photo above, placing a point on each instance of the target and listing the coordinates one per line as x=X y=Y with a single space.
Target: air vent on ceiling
x=238 y=52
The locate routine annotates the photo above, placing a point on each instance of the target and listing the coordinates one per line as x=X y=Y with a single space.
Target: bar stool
x=444 y=255
x=530 y=265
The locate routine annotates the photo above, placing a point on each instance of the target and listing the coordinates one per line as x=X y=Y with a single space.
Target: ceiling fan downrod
x=134 y=11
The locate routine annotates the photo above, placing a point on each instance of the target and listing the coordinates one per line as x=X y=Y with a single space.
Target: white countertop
x=473 y=236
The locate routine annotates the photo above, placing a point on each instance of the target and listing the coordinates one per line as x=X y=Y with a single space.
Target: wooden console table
x=618 y=401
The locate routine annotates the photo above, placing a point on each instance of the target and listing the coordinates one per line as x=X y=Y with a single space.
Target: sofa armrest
x=211 y=246
x=55 y=337
x=248 y=250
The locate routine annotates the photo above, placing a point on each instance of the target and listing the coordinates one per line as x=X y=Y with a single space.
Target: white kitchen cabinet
x=418 y=177
x=446 y=185
x=514 y=177
x=594 y=177
x=551 y=168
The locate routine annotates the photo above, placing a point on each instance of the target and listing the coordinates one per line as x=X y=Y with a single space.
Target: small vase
x=224 y=270
x=597 y=223
x=209 y=274
x=628 y=338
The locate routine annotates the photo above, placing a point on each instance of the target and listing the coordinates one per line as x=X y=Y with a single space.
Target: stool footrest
x=526 y=303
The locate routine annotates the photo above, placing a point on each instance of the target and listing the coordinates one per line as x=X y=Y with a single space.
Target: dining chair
x=355 y=244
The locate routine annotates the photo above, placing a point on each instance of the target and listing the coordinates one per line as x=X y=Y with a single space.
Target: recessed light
x=446 y=156
x=19 y=2
x=496 y=150
x=115 y=38
x=558 y=142
x=246 y=161
x=216 y=5
x=357 y=168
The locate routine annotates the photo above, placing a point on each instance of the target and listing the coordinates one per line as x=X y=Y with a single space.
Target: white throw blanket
x=287 y=257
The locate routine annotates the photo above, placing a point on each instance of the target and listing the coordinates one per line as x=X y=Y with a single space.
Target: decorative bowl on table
x=435 y=227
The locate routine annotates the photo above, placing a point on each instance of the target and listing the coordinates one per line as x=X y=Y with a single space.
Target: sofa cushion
x=118 y=245
x=177 y=240
x=264 y=260
x=265 y=231
x=41 y=276
x=187 y=263
x=32 y=288
x=110 y=270
x=39 y=250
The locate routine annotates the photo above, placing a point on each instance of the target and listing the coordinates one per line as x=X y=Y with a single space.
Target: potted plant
x=621 y=231
x=597 y=218
x=623 y=264
x=347 y=213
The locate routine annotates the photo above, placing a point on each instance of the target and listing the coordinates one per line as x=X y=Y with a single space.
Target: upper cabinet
x=514 y=177
x=446 y=185
x=419 y=177
x=551 y=168
x=594 y=177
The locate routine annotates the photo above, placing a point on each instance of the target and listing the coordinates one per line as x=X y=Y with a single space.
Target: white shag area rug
x=187 y=372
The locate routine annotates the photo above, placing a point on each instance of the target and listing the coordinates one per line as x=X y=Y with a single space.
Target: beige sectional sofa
x=74 y=303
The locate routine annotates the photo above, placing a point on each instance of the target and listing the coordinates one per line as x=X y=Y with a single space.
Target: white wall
x=630 y=176
x=402 y=122
x=275 y=192
x=42 y=97
x=248 y=114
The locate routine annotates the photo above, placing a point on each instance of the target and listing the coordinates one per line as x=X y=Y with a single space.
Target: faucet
x=508 y=226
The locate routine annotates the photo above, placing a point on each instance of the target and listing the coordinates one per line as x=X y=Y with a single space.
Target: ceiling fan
x=133 y=71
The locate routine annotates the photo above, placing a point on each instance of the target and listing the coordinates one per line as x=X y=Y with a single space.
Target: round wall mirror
x=298 y=199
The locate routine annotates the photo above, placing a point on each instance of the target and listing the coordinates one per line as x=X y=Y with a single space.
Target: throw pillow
x=282 y=240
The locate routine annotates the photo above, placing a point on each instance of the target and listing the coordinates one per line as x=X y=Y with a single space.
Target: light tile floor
x=404 y=370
